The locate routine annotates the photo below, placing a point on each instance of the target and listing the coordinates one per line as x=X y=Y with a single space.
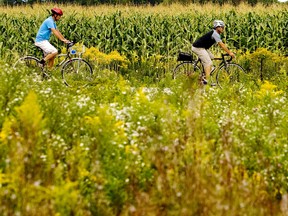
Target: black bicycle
x=227 y=73
x=75 y=71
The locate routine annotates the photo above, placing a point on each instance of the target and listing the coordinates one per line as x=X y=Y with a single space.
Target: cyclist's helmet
x=57 y=11
x=218 y=23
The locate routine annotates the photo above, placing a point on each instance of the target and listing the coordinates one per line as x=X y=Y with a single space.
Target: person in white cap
x=201 y=47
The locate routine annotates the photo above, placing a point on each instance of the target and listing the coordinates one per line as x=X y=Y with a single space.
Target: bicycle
x=75 y=71
x=227 y=73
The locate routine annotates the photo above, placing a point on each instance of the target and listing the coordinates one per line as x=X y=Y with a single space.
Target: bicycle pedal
x=213 y=84
x=42 y=66
x=45 y=76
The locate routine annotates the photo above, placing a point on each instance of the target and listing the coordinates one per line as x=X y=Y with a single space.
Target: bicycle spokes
x=29 y=64
x=185 y=69
x=231 y=74
x=77 y=73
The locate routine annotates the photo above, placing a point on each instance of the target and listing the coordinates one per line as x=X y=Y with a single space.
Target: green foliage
x=146 y=35
x=121 y=147
x=265 y=64
x=136 y=142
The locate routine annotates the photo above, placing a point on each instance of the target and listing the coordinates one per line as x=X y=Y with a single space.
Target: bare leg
x=50 y=58
x=207 y=70
x=51 y=63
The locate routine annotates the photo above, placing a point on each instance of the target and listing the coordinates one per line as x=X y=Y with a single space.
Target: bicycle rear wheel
x=185 y=69
x=30 y=64
x=77 y=73
x=232 y=74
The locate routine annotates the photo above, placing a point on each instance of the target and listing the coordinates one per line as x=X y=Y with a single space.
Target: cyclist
x=43 y=36
x=201 y=47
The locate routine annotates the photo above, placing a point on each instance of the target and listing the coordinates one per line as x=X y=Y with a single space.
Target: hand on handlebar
x=66 y=41
x=231 y=54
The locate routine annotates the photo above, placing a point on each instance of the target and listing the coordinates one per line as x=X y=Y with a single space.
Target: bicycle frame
x=68 y=56
x=64 y=60
x=74 y=70
x=222 y=59
x=224 y=73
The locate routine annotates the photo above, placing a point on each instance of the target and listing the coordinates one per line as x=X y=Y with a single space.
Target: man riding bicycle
x=201 y=47
x=43 y=36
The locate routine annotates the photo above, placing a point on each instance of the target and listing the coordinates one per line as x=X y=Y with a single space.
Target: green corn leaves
x=150 y=34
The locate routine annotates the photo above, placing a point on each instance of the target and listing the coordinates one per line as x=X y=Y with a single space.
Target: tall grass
x=117 y=149
x=172 y=9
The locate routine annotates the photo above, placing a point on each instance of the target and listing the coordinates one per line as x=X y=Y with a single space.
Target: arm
x=59 y=35
x=224 y=47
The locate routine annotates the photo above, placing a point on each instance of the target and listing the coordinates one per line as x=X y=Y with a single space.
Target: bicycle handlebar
x=226 y=54
x=223 y=56
x=70 y=44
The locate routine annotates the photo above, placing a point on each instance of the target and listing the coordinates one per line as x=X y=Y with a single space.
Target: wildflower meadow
x=135 y=141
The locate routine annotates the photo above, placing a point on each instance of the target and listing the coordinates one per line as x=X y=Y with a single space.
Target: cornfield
x=146 y=34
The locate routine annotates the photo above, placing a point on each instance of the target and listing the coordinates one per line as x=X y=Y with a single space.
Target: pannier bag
x=184 y=57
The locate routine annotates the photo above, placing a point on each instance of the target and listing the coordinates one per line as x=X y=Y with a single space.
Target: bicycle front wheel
x=185 y=69
x=30 y=64
x=231 y=74
x=77 y=73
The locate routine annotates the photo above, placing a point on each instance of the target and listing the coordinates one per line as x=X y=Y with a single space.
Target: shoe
x=204 y=81
x=212 y=69
x=42 y=62
x=213 y=84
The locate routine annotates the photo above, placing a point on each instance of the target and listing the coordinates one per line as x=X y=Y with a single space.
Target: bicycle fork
x=77 y=67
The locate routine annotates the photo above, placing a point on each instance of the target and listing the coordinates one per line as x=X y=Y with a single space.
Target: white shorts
x=46 y=47
x=205 y=55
